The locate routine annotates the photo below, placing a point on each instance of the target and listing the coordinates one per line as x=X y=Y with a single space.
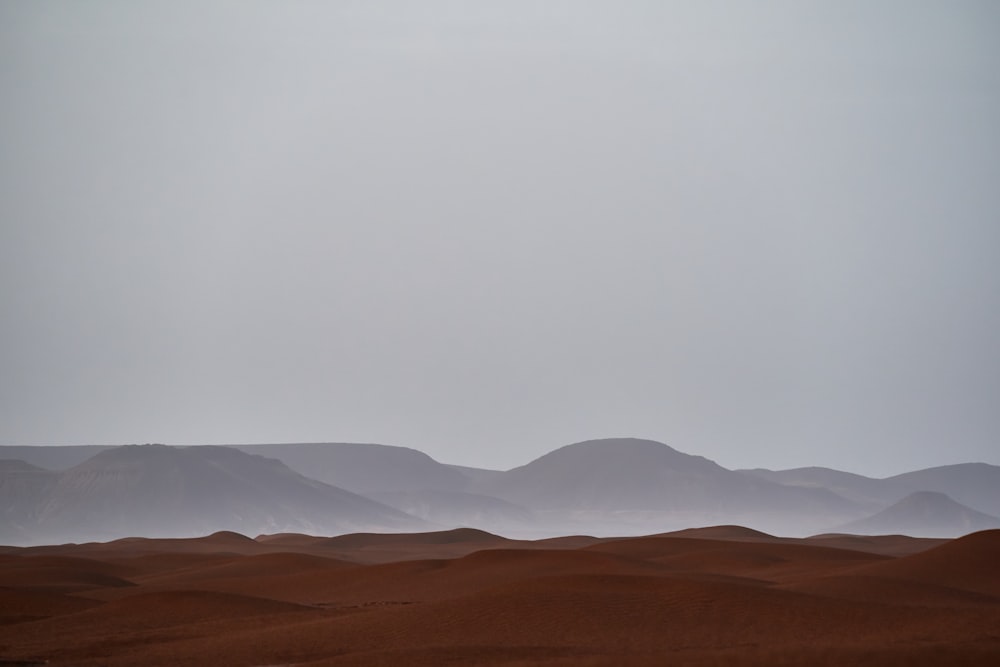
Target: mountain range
x=620 y=486
x=156 y=490
x=923 y=514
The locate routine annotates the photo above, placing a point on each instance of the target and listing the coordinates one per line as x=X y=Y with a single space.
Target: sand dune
x=257 y=566
x=382 y=548
x=458 y=535
x=767 y=562
x=224 y=542
x=61 y=574
x=887 y=545
x=868 y=588
x=971 y=563
x=724 y=595
x=167 y=609
x=18 y=605
x=732 y=533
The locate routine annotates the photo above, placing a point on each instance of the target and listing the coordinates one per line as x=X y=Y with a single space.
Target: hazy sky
x=764 y=232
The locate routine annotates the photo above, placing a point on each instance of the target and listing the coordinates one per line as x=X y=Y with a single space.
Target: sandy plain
x=715 y=596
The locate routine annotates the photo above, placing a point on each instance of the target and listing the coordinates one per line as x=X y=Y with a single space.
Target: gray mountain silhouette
x=923 y=514
x=155 y=490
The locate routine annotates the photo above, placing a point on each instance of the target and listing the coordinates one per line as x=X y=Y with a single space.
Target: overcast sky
x=763 y=232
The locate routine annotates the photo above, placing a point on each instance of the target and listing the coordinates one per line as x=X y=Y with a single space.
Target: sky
x=762 y=232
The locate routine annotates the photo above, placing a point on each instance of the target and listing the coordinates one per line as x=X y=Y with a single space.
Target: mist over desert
x=408 y=591
x=499 y=332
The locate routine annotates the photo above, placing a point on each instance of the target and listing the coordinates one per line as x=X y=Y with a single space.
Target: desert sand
x=716 y=596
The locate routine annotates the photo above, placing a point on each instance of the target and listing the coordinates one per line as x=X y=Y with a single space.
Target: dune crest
x=722 y=594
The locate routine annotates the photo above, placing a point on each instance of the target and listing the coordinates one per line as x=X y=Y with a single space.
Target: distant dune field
x=721 y=595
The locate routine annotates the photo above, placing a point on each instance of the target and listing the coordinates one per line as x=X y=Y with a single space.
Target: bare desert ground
x=715 y=596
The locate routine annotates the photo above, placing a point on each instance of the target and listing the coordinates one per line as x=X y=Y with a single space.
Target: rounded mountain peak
x=623 y=452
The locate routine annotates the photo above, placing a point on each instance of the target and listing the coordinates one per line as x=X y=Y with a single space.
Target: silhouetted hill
x=404 y=478
x=867 y=491
x=595 y=479
x=974 y=484
x=51 y=457
x=924 y=514
x=621 y=486
x=365 y=468
x=22 y=488
x=165 y=491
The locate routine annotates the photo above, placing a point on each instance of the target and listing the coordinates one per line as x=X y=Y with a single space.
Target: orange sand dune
x=61 y=574
x=239 y=567
x=20 y=605
x=887 y=545
x=146 y=623
x=287 y=577
x=160 y=563
x=730 y=533
x=971 y=563
x=221 y=542
x=290 y=541
x=608 y=617
x=455 y=536
x=724 y=595
x=384 y=548
x=166 y=609
x=867 y=588
x=565 y=542
x=770 y=562
x=735 y=556
x=442 y=579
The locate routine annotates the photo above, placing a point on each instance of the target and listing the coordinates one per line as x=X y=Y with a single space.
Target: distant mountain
x=866 y=491
x=22 y=488
x=364 y=468
x=974 y=484
x=403 y=478
x=923 y=514
x=457 y=509
x=475 y=475
x=599 y=480
x=634 y=474
x=155 y=490
x=51 y=457
x=618 y=486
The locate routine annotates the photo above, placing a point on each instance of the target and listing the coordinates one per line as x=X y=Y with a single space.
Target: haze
x=765 y=233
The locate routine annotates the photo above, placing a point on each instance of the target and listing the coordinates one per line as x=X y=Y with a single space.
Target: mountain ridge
x=924 y=514
x=180 y=491
x=610 y=486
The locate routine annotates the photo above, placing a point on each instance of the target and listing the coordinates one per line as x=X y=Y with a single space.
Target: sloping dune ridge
x=713 y=596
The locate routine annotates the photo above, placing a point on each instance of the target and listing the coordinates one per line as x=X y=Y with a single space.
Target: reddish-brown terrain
x=723 y=595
